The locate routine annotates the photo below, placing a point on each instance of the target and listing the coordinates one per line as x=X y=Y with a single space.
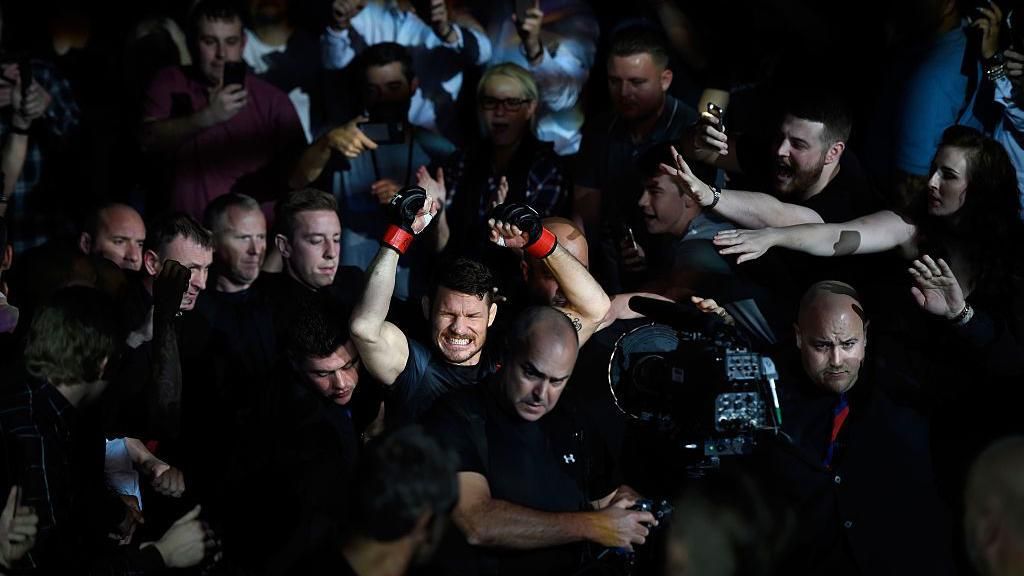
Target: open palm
x=936 y=288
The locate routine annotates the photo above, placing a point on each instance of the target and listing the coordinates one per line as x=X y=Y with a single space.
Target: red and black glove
x=541 y=242
x=403 y=208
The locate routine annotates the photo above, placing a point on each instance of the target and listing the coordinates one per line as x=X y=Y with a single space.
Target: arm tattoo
x=576 y=322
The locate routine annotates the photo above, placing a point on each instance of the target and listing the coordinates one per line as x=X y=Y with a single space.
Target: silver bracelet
x=964 y=316
x=718 y=196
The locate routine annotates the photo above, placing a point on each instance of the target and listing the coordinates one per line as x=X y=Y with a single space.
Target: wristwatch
x=718 y=196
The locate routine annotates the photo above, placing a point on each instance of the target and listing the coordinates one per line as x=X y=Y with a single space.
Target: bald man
x=994 y=509
x=117 y=233
x=855 y=459
x=542 y=289
x=530 y=492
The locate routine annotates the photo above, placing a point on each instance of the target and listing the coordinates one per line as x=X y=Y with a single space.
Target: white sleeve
x=119 y=471
x=1004 y=95
x=560 y=76
x=336 y=50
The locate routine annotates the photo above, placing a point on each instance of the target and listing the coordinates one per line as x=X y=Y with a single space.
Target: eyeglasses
x=509 y=104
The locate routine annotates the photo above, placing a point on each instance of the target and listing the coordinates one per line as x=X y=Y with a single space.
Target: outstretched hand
x=688 y=182
x=434 y=186
x=746 y=244
x=936 y=288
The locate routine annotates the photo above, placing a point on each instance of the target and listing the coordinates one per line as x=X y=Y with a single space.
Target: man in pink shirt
x=240 y=137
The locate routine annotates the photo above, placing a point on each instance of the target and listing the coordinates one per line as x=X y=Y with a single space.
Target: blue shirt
x=939 y=94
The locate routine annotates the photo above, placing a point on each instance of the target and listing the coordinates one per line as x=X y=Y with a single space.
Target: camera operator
x=364 y=169
x=856 y=463
x=531 y=489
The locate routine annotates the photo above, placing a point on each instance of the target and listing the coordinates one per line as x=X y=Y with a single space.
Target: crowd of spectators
x=332 y=286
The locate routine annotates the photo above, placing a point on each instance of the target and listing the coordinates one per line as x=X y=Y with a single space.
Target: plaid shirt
x=48 y=452
x=546 y=185
x=32 y=214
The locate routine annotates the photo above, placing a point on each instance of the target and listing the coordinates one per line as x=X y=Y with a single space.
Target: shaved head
x=540 y=282
x=994 y=508
x=570 y=237
x=831 y=335
x=540 y=356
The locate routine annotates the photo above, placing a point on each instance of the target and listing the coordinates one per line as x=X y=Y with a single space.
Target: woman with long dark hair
x=964 y=231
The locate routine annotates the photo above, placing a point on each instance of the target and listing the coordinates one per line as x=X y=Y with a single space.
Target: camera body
x=662 y=511
x=707 y=392
x=384 y=132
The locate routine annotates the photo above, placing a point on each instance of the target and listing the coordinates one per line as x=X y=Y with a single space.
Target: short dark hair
x=639 y=38
x=178 y=224
x=385 y=53
x=405 y=474
x=304 y=200
x=317 y=327
x=211 y=10
x=215 y=210
x=826 y=107
x=70 y=336
x=650 y=161
x=466 y=276
x=3 y=235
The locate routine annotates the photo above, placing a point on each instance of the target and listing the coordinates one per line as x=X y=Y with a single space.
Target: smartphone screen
x=719 y=113
x=24 y=75
x=383 y=132
x=234 y=73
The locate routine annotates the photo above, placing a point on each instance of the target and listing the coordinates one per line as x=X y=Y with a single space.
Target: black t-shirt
x=425 y=378
x=847 y=196
x=540 y=465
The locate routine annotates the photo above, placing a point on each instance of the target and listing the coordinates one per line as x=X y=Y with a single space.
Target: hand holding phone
x=234 y=73
x=25 y=76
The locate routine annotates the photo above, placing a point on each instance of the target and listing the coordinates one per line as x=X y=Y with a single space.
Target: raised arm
x=491 y=522
x=383 y=347
x=346 y=139
x=876 y=232
x=519 y=226
x=747 y=209
x=162 y=134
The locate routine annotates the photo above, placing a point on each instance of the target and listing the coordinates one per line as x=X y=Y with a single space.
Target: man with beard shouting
x=807 y=172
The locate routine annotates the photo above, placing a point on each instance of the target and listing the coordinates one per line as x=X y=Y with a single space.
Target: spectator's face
x=534 y=380
x=637 y=86
x=799 y=155
x=666 y=210
x=194 y=257
x=505 y=111
x=947 y=186
x=312 y=254
x=335 y=376
x=832 y=342
x=241 y=244
x=459 y=325
x=120 y=234
x=388 y=92
x=219 y=41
